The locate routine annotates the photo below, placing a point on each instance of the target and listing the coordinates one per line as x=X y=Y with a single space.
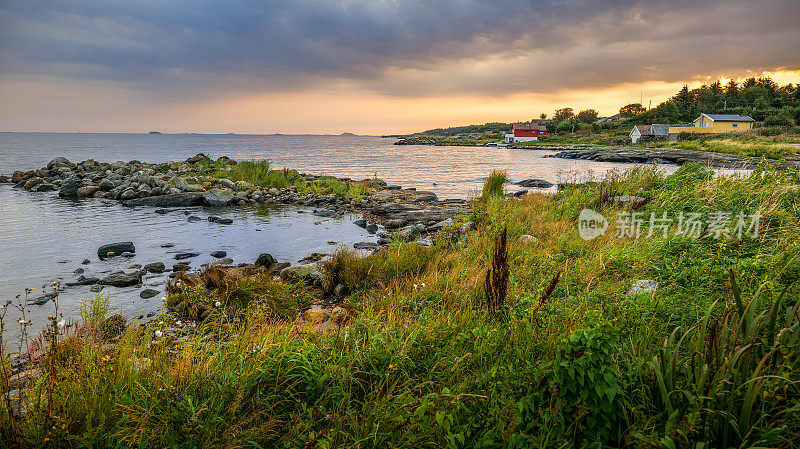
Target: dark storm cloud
x=396 y=47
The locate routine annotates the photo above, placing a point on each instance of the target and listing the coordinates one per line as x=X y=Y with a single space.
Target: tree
x=630 y=110
x=543 y=116
x=563 y=114
x=587 y=116
x=731 y=89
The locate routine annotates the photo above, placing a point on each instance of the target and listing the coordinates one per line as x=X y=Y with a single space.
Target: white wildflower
x=158 y=334
x=60 y=324
x=217 y=304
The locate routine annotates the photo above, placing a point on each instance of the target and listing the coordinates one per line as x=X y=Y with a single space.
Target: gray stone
x=155 y=267
x=218 y=254
x=308 y=273
x=643 y=286
x=192 y=218
x=128 y=195
x=372 y=228
x=115 y=248
x=172 y=200
x=122 y=279
x=96 y=288
x=218 y=197
x=535 y=183
x=266 y=260
x=106 y=184
x=526 y=239
x=225 y=221
x=365 y=245
x=148 y=293
x=46 y=187
x=181 y=256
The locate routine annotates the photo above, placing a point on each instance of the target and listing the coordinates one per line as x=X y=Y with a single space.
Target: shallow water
x=37 y=230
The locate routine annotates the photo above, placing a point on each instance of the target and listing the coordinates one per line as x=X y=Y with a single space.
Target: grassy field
x=436 y=355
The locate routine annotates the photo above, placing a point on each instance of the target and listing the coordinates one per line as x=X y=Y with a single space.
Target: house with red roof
x=525 y=132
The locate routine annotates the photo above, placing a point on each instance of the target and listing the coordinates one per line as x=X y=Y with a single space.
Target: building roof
x=526 y=126
x=643 y=129
x=727 y=117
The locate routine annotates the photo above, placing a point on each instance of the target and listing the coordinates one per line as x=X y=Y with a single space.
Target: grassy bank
x=569 y=357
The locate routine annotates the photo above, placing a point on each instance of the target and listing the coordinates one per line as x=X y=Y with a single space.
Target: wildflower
x=158 y=334
x=178 y=323
x=60 y=324
x=160 y=323
x=391 y=366
x=217 y=304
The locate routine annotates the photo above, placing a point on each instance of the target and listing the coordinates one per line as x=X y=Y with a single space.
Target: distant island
x=348 y=134
x=155 y=132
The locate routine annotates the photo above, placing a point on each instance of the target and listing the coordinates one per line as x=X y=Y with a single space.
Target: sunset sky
x=369 y=67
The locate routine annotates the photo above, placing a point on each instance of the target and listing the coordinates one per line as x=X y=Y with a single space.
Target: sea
x=44 y=239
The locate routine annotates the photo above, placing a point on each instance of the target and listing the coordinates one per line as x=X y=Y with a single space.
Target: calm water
x=44 y=238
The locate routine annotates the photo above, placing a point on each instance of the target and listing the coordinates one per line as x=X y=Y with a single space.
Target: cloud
x=397 y=48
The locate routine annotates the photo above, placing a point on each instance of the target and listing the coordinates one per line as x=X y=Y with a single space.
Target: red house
x=525 y=132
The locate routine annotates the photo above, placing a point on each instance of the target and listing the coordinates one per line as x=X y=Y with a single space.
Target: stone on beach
x=115 y=249
x=122 y=279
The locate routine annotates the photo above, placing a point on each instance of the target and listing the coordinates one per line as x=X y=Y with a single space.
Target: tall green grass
x=494 y=185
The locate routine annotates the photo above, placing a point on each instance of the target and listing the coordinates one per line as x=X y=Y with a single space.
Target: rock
x=360 y=223
x=172 y=200
x=218 y=254
x=442 y=224
x=127 y=254
x=180 y=267
x=199 y=157
x=33 y=182
x=79 y=271
x=265 y=260
x=278 y=267
x=86 y=262
x=315 y=316
x=57 y=162
x=340 y=290
x=213 y=218
x=339 y=315
x=122 y=279
x=365 y=245
x=161 y=211
x=127 y=195
x=218 y=197
x=69 y=187
x=44 y=299
x=96 y=288
x=115 y=248
x=326 y=213
x=225 y=221
x=372 y=228
x=406 y=233
x=167 y=245
x=192 y=218
x=155 y=267
x=181 y=256
x=313 y=257
x=535 y=183
x=224 y=261
x=526 y=239
x=148 y=293
x=643 y=286
x=308 y=273
x=46 y=187
x=396 y=223
x=87 y=191
x=82 y=280
x=106 y=185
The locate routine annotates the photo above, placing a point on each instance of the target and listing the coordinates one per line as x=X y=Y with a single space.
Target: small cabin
x=525 y=132
x=716 y=124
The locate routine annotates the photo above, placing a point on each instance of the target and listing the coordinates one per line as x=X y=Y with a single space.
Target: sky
x=368 y=66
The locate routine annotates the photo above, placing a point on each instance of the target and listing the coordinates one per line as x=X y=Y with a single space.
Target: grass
x=494 y=185
x=709 y=358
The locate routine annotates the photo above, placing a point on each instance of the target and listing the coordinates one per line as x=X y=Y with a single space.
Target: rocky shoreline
x=181 y=184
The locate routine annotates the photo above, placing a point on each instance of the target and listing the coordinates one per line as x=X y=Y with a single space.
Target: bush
x=494 y=186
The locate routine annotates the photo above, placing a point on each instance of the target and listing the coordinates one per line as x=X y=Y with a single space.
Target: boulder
x=365 y=245
x=57 y=162
x=155 y=267
x=266 y=260
x=122 y=279
x=106 y=185
x=181 y=256
x=218 y=197
x=218 y=254
x=116 y=249
x=315 y=316
x=70 y=186
x=46 y=187
x=526 y=239
x=340 y=315
x=148 y=293
x=171 y=200
x=82 y=280
x=33 y=182
x=199 y=157
x=87 y=191
x=225 y=221
x=308 y=273
x=372 y=228
x=535 y=183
